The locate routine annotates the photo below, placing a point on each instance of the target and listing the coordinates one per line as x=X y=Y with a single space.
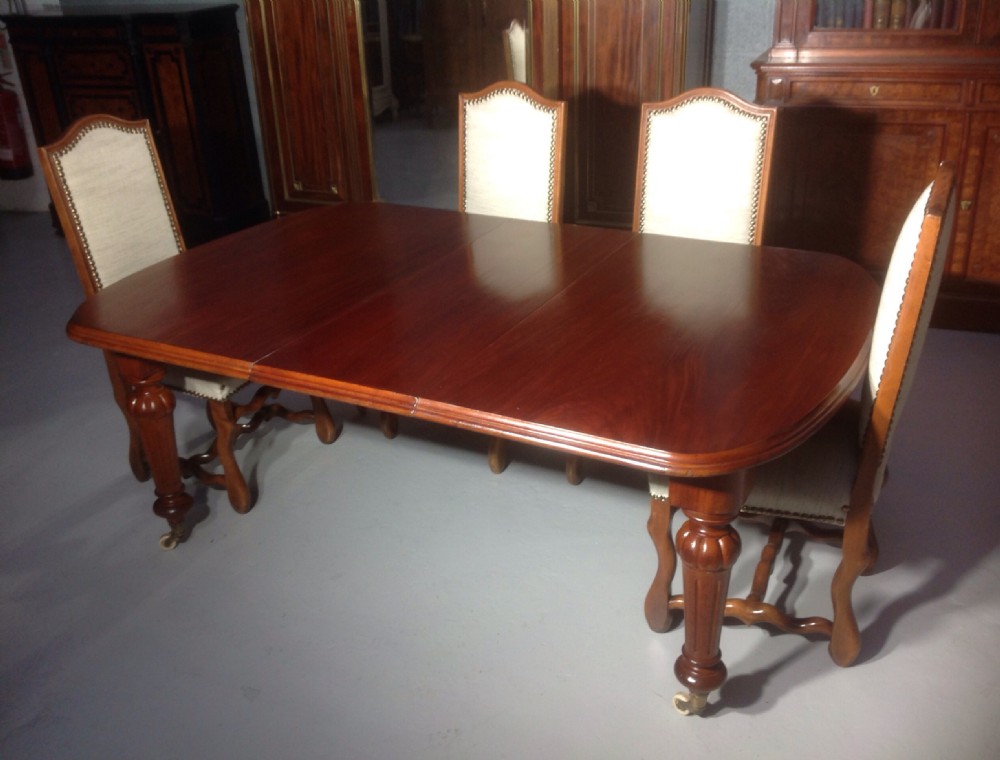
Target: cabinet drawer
x=989 y=94
x=95 y=66
x=875 y=91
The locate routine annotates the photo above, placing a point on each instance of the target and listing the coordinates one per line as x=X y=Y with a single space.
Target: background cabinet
x=311 y=92
x=606 y=59
x=867 y=115
x=182 y=70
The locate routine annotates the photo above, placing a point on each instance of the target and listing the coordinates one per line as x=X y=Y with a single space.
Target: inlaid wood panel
x=866 y=116
x=863 y=171
x=312 y=100
x=980 y=198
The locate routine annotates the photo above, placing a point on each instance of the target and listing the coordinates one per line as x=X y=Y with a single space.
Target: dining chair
x=515 y=52
x=827 y=487
x=703 y=166
x=511 y=142
x=108 y=190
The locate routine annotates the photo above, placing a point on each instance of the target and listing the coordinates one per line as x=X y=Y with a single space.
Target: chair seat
x=812 y=482
x=202 y=384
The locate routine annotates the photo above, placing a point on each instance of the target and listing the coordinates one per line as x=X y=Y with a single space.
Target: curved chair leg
x=574 y=471
x=872 y=551
x=659 y=616
x=498 y=455
x=326 y=428
x=227 y=430
x=845 y=640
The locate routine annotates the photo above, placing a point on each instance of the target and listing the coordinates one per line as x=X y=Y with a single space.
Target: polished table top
x=681 y=356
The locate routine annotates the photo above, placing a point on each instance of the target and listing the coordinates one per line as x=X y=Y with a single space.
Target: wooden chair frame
x=224 y=416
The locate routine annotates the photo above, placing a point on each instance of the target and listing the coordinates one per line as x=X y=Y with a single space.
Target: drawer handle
x=966 y=205
x=873 y=90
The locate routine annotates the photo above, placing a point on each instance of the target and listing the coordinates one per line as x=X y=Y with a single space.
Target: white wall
x=743 y=30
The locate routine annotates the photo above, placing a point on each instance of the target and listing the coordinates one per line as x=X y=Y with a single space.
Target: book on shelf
x=885 y=14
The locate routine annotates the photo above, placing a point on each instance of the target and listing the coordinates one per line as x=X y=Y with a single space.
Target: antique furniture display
x=703 y=168
x=510 y=163
x=827 y=487
x=109 y=191
x=774 y=339
x=182 y=69
x=868 y=112
x=313 y=101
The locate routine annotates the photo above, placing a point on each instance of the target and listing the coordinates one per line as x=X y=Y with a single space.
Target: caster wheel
x=169 y=541
x=689 y=704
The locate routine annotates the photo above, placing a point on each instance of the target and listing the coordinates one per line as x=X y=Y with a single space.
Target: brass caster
x=169 y=541
x=689 y=704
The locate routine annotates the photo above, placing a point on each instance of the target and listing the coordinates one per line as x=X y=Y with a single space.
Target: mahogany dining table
x=690 y=358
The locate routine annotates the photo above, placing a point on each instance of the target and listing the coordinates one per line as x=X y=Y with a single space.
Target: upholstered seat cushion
x=202 y=384
x=812 y=482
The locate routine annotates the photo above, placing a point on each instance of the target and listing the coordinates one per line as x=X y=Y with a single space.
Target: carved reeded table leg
x=151 y=405
x=708 y=546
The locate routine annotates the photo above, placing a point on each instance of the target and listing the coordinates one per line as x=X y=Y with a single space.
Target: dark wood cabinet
x=606 y=59
x=313 y=101
x=179 y=67
x=463 y=49
x=867 y=113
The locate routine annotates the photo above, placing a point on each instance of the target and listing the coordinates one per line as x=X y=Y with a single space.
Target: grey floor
x=395 y=600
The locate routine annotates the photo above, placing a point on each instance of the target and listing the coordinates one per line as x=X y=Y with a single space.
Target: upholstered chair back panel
x=118 y=201
x=702 y=172
x=898 y=279
x=509 y=157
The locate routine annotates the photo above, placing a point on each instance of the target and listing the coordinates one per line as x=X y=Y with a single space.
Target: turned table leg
x=151 y=405
x=708 y=546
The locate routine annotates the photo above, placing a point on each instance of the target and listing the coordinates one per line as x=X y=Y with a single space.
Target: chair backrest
x=904 y=313
x=108 y=190
x=510 y=152
x=515 y=52
x=703 y=166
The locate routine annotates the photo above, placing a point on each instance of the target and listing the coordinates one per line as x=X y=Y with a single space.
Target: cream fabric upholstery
x=118 y=201
x=121 y=215
x=516 y=43
x=509 y=157
x=702 y=172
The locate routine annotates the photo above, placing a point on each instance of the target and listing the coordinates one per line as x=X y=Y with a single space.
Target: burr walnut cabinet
x=178 y=66
x=870 y=105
